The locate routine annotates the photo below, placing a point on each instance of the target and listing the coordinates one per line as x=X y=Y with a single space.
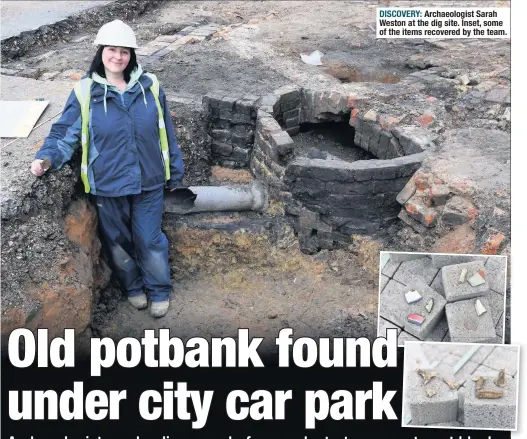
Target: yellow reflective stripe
x=162 y=128
x=82 y=91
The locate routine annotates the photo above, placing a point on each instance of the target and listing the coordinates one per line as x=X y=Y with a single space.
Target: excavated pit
x=328 y=141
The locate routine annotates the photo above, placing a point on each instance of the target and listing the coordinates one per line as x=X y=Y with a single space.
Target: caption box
x=443 y=23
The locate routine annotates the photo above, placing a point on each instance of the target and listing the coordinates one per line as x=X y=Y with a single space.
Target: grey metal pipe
x=220 y=199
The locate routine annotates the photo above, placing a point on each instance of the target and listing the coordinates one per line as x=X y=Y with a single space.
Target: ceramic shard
x=427 y=375
x=413 y=296
x=429 y=305
x=416 y=319
x=430 y=392
x=479 y=382
x=451 y=384
x=478 y=278
x=463 y=275
x=480 y=309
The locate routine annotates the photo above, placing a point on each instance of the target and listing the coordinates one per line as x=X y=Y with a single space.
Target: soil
x=335 y=139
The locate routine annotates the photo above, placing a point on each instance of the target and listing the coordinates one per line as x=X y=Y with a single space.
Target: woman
x=127 y=164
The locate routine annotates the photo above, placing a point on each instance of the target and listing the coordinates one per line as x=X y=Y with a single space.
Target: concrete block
x=384 y=282
x=503 y=358
x=497 y=305
x=384 y=325
x=437 y=284
x=441 y=407
x=496 y=267
x=454 y=290
x=417 y=269
x=402 y=257
x=395 y=308
x=464 y=325
x=491 y=413
x=439 y=261
x=453 y=424
x=390 y=268
x=439 y=332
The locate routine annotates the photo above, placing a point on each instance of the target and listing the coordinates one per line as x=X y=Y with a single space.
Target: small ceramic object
x=416 y=319
x=413 y=296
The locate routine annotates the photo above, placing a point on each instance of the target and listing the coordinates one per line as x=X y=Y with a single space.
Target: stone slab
x=446 y=369
x=464 y=325
x=404 y=337
x=439 y=332
x=435 y=351
x=454 y=290
x=437 y=284
x=482 y=353
x=497 y=306
x=395 y=308
x=496 y=267
x=417 y=269
x=491 y=413
x=384 y=282
x=440 y=261
x=390 y=268
x=503 y=358
x=384 y=325
x=441 y=407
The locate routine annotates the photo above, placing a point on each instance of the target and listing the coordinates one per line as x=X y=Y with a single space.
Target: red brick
x=421 y=181
x=424 y=120
x=493 y=243
x=417 y=209
x=461 y=240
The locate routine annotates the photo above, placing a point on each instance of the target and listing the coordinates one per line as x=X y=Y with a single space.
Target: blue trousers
x=130 y=227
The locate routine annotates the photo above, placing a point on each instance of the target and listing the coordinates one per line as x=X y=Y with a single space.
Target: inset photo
x=460 y=385
x=442 y=297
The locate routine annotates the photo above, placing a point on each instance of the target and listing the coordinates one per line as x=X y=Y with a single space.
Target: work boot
x=140 y=301
x=159 y=309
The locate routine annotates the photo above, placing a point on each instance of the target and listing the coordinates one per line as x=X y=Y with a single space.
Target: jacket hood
x=135 y=77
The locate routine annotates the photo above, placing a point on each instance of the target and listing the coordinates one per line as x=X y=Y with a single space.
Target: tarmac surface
x=38 y=13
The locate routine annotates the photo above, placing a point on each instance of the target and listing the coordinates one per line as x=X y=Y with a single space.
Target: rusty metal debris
x=427 y=376
x=489 y=394
x=430 y=392
x=479 y=382
x=451 y=384
x=500 y=379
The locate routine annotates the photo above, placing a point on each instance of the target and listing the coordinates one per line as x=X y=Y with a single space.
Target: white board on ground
x=17 y=118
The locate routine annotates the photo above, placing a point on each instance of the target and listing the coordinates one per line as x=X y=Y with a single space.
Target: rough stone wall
x=345 y=199
x=230 y=124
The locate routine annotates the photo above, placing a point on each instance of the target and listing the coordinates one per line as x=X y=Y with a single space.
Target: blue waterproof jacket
x=124 y=155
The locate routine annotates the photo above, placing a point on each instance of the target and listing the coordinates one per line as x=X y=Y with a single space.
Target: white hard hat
x=116 y=33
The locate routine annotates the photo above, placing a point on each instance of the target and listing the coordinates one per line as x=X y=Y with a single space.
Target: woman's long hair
x=98 y=66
